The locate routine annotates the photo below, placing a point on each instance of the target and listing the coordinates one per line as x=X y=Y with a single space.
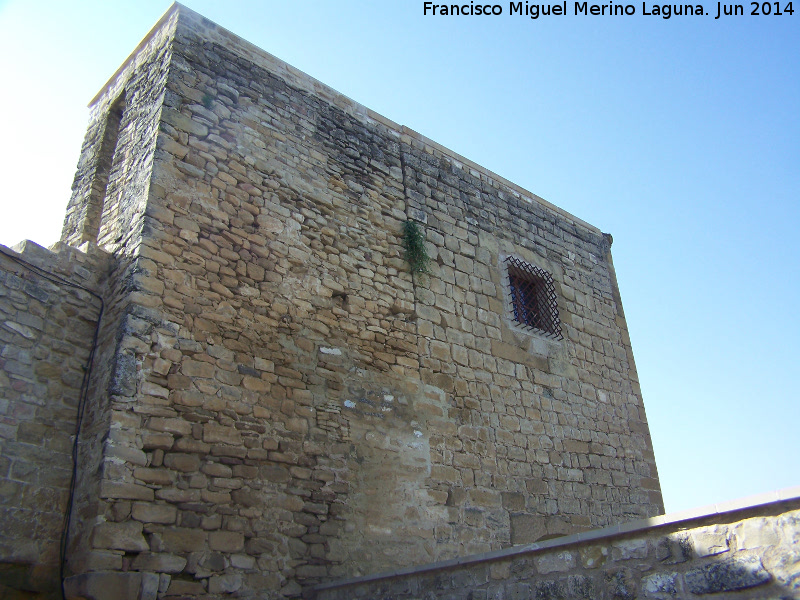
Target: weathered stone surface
x=154 y=513
x=217 y=434
x=709 y=542
x=188 y=463
x=157 y=476
x=105 y=586
x=620 y=584
x=593 y=557
x=46 y=329
x=179 y=587
x=755 y=533
x=555 y=563
x=129 y=491
x=224 y=584
x=159 y=562
x=674 y=549
x=173 y=426
x=727 y=576
x=270 y=375
x=580 y=586
x=120 y=536
x=660 y=585
x=628 y=549
x=226 y=541
x=181 y=539
x=184 y=123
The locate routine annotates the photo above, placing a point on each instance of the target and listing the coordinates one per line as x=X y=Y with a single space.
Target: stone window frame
x=546 y=297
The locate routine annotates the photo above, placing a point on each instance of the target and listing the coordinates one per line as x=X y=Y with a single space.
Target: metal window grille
x=533 y=297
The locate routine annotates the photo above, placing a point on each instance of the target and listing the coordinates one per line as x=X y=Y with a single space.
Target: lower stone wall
x=46 y=332
x=732 y=552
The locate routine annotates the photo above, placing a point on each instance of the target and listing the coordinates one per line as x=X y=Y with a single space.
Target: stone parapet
x=740 y=550
x=48 y=316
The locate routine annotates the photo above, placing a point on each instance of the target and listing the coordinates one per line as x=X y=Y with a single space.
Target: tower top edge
x=294 y=76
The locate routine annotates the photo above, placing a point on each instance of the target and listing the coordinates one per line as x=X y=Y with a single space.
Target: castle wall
x=277 y=400
x=286 y=403
x=109 y=208
x=746 y=552
x=47 y=324
x=553 y=431
x=111 y=185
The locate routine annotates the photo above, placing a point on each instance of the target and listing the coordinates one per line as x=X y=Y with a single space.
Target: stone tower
x=277 y=399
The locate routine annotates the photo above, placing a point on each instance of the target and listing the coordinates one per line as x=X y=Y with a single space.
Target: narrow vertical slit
x=105 y=161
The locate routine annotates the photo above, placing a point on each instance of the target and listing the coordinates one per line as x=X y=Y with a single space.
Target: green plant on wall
x=414 y=244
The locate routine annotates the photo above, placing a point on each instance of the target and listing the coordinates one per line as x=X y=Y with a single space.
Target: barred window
x=534 y=303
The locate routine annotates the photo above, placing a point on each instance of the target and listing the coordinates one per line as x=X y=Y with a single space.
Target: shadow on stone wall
x=739 y=553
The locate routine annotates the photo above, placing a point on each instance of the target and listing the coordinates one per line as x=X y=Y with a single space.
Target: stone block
x=194 y=368
x=179 y=461
x=674 y=549
x=226 y=541
x=217 y=470
x=547 y=590
x=526 y=529
x=181 y=539
x=156 y=476
x=593 y=557
x=126 y=453
x=187 y=589
x=755 y=533
x=730 y=575
x=120 y=536
x=182 y=122
x=518 y=591
x=125 y=491
x=484 y=498
x=154 y=513
x=219 y=434
x=150 y=586
x=156 y=441
x=629 y=549
x=105 y=586
x=100 y=560
x=159 y=562
x=178 y=495
x=620 y=584
x=172 y=426
x=710 y=541
x=557 y=562
x=123 y=375
x=660 y=585
x=581 y=587
x=190 y=445
x=225 y=584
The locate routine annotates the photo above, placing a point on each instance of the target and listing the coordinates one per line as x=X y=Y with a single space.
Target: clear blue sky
x=680 y=137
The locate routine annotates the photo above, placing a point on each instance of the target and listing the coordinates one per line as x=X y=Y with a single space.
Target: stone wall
x=737 y=553
x=313 y=383
x=110 y=190
x=278 y=400
x=545 y=436
x=47 y=325
x=108 y=207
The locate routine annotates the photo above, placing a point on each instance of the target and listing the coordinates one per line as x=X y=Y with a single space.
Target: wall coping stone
x=316 y=87
x=683 y=518
x=61 y=256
